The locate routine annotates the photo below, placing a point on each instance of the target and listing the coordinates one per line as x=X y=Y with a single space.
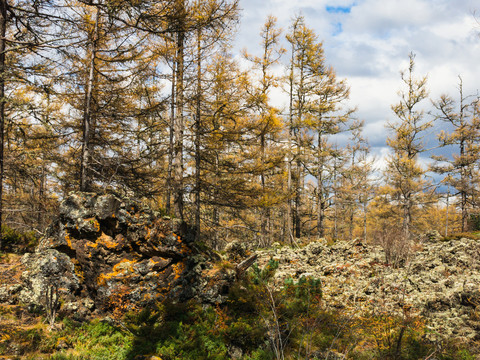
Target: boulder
x=107 y=253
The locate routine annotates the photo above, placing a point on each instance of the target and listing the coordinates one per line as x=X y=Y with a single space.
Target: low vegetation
x=259 y=321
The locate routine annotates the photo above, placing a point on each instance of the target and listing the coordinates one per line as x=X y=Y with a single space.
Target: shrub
x=16 y=241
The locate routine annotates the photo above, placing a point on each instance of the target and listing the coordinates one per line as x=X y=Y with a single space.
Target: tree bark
x=3 y=32
x=168 y=194
x=179 y=124
x=85 y=176
x=197 y=136
x=289 y=151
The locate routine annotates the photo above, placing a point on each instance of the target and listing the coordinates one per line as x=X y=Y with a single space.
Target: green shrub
x=16 y=241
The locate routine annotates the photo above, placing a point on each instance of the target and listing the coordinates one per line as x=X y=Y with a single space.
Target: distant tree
x=461 y=170
x=356 y=188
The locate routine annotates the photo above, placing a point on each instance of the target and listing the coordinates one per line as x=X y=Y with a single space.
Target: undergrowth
x=258 y=321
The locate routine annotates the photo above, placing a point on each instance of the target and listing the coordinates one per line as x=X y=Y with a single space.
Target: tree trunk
x=320 y=202
x=289 y=160
x=446 y=217
x=179 y=125
x=298 y=222
x=197 y=136
x=168 y=194
x=365 y=221
x=407 y=217
x=3 y=31
x=463 y=182
x=265 y=211
x=85 y=177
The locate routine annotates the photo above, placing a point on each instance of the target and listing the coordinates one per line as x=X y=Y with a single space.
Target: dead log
x=242 y=267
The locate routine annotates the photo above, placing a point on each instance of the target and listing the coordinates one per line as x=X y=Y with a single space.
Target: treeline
x=144 y=98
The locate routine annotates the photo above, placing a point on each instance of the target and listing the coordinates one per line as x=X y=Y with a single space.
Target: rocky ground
x=440 y=282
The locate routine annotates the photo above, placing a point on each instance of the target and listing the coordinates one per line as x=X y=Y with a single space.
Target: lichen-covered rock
x=49 y=268
x=439 y=282
x=109 y=254
x=236 y=250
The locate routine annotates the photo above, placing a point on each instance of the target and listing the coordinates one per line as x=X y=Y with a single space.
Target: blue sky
x=368 y=41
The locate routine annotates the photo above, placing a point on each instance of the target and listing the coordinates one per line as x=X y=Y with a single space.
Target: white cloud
x=373 y=47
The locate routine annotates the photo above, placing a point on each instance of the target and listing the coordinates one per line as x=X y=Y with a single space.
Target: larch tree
x=305 y=65
x=226 y=167
x=356 y=189
x=108 y=87
x=268 y=124
x=460 y=170
x=316 y=112
x=210 y=35
x=327 y=118
x=404 y=173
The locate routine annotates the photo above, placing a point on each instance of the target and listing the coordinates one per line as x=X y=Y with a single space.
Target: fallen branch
x=244 y=265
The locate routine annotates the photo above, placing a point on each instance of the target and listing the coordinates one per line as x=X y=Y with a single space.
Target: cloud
x=368 y=41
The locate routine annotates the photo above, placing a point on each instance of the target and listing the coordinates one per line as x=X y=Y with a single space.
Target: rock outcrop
x=440 y=282
x=106 y=253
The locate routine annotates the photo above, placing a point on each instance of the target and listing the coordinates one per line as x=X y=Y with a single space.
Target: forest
x=145 y=99
x=259 y=153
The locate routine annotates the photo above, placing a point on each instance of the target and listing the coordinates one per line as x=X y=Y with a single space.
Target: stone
x=108 y=253
x=47 y=268
x=236 y=250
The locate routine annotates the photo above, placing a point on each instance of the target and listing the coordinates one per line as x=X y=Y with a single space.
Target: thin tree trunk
x=3 y=31
x=365 y=221
x=264 y=205
x=197 y=137
x=216 y=217
x=463 y=181
x=41 y=199
x=335 y=194
x=446 y=218
x=298 y=197
x=168 y=194
x=85 y=179
x=320 y=207
x=407 y=217
x=298 y=223
x=289 y=160
x=179 y=125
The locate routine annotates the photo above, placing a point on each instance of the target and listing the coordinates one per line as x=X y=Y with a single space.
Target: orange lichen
x=178 y=269
x=124 y=264
x=68 y=240
x=120 y=269
x=107 y=241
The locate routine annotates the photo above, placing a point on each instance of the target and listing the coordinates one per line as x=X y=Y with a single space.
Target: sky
x=368 y=42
